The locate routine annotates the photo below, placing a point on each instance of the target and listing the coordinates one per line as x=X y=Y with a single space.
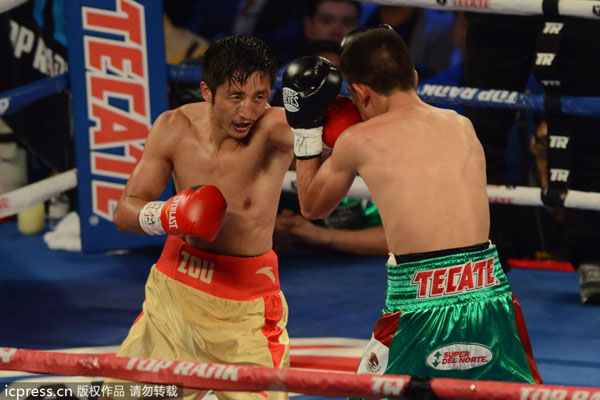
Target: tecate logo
x=459 y=356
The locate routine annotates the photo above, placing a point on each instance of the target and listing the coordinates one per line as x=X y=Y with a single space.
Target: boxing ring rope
x=16 y=99
x=199 y=375
x=573 y=8
x=514 y=195
x=27 y=196
x=23 y=198
x=7 y=5
x=466 y=96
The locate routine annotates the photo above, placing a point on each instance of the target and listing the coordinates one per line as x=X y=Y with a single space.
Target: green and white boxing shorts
x=451 y=313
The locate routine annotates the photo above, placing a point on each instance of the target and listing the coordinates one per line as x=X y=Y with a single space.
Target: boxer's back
x=425 y=169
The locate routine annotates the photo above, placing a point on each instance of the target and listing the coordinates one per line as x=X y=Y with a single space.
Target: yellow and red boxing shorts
x=208 y=307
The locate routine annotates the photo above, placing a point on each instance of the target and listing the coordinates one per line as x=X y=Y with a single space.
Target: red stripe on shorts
x=524 y=335
x=273 y=314
x=138 y=317
x=386 y=327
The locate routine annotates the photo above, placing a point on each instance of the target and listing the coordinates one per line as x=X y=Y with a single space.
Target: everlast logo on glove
x=171 y=212
x=290 y=100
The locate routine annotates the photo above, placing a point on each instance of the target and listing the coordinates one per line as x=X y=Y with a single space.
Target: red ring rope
x=237 y=377
x=201 y=375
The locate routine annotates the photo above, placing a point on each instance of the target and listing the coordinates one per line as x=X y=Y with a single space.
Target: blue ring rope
x=16 y=99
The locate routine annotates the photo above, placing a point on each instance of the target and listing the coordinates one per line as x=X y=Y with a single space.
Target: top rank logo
x=185 y=368
x=454 y=280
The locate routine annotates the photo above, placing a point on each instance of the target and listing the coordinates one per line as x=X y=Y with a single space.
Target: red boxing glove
x=197 y=212
x=341 y=114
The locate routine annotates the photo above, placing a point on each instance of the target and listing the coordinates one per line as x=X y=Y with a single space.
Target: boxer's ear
x=206 y=93
x=363 y=93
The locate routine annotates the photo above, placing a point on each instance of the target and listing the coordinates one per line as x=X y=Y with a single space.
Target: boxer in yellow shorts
x=213 y=296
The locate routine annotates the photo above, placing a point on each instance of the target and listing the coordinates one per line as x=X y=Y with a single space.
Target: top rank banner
x=119 y=86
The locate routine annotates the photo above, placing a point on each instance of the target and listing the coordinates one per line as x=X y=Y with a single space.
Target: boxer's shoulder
x=272 y=117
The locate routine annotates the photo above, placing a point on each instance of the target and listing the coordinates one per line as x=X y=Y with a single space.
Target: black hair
x=379 y=58
x=236 y=58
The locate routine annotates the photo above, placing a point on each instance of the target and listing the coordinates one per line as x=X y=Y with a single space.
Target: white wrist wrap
x=149 y=218
x=308 y=142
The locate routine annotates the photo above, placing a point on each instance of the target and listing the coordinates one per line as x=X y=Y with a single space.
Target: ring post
x=119 y=85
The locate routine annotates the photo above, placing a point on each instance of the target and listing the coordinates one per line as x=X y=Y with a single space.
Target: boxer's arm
x=321 y=187
x=280 y=133
x=368 y=241
x=149 y=178
x=197 y=212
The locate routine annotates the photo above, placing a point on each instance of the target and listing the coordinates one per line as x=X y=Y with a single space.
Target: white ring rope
x=574 y=8
x=514 y=195
x=7 y=5
x=21 y=199
x=27 y=196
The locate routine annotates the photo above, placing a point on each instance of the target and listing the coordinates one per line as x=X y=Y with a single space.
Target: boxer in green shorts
x=451 y=314
x=448 y=313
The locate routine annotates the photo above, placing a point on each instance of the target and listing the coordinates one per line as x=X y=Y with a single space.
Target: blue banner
x=119 y=87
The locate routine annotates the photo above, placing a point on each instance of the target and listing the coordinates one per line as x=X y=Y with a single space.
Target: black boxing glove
x=310 y=85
